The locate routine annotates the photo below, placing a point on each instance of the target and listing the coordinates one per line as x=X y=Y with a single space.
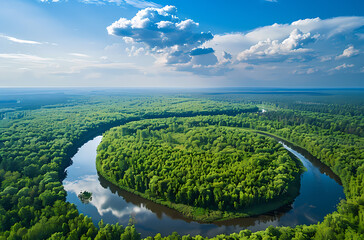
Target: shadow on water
x=320 y=192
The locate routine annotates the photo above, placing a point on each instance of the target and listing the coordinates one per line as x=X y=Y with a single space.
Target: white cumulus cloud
x=172 y=41
x=159 y=28
x=348 y=52
x=312 y=40
x=293 y=44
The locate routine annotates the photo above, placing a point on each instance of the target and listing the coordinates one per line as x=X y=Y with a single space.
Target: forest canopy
x=36 y=145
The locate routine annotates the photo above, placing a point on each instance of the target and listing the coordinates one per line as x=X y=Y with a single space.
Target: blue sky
x=182 y=43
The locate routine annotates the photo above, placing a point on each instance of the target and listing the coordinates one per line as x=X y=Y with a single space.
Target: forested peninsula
x=207 y=172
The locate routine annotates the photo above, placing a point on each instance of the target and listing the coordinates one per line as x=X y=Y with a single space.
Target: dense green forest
x=36 y=146
x=211 y=167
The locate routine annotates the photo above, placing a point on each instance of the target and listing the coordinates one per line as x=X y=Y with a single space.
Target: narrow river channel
x=320 y=192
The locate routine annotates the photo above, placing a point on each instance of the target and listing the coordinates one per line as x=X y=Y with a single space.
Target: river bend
x=320 y=192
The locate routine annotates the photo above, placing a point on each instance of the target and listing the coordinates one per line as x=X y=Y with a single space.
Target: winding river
x=320 y=192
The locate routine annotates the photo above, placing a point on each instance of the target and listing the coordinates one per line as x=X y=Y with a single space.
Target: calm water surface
x=320 y=192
